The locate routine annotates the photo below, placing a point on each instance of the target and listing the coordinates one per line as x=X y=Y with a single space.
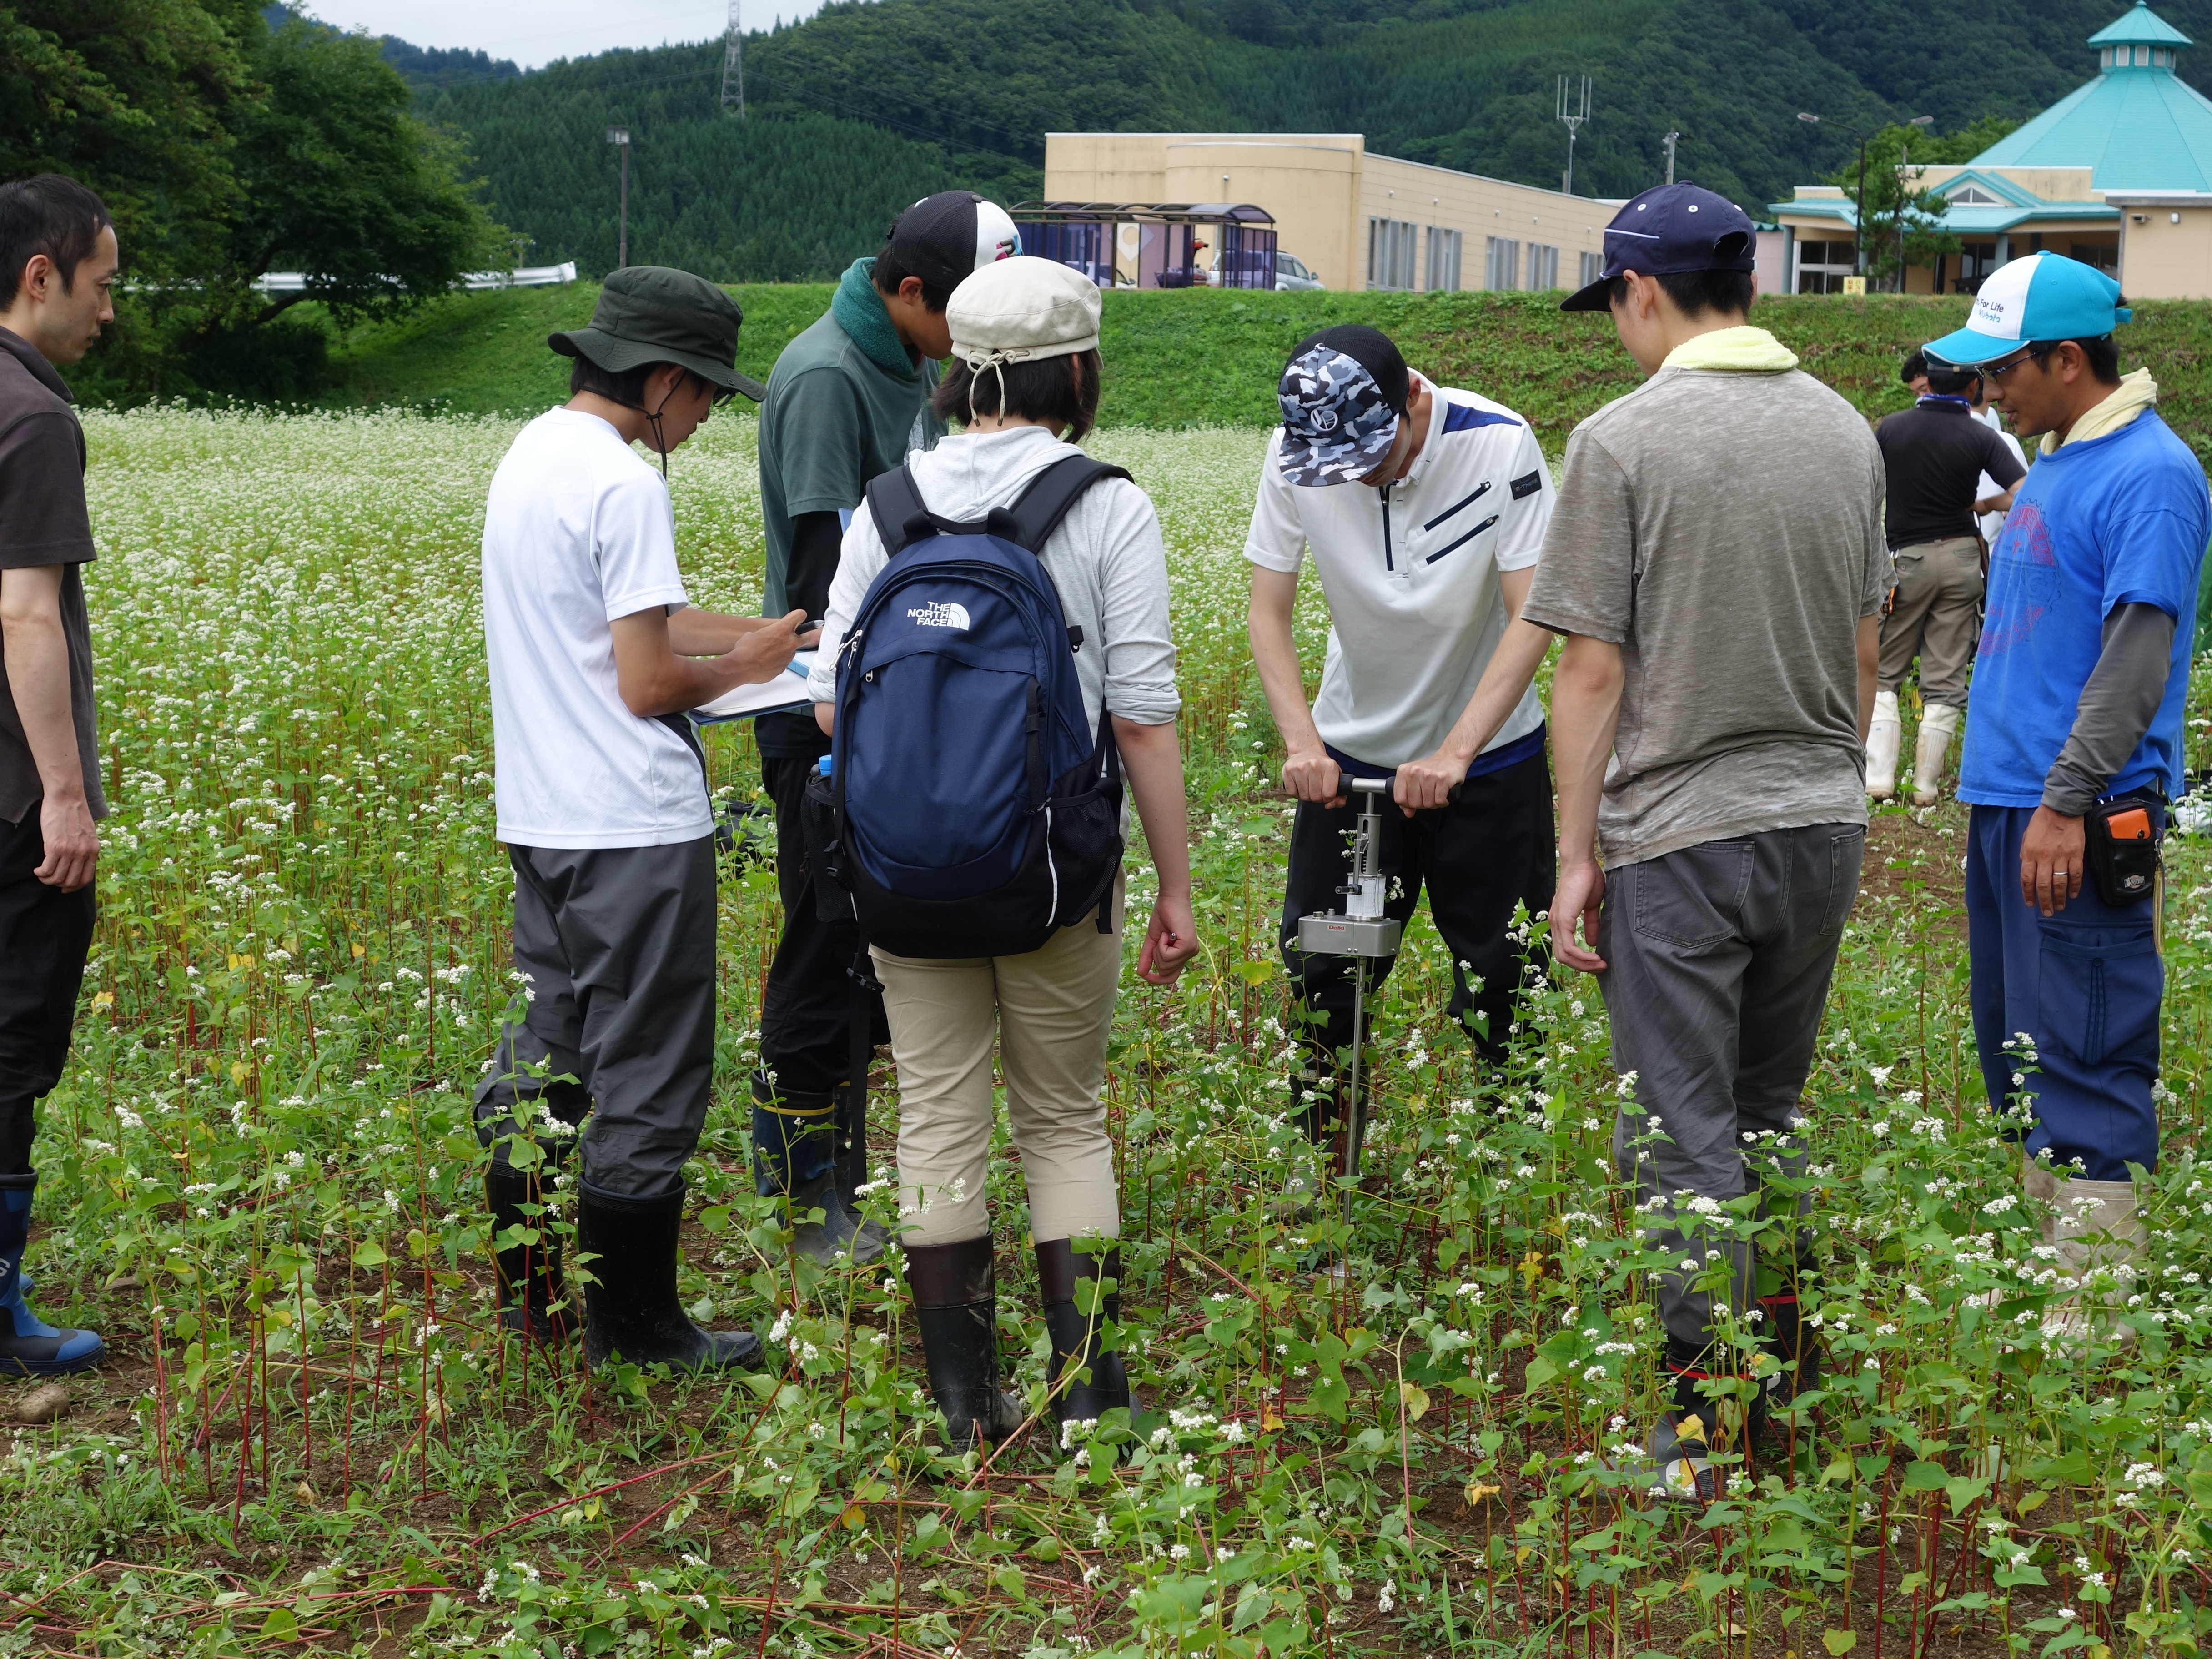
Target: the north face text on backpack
x=934 y=615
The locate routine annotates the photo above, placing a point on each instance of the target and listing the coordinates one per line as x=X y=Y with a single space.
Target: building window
x=1443 y=259
x=1822 y=266
x=1543 y=267
x=1501 y=268
x=1390 y=244
x=1976 y=261
x=1593 y=267
x=2106 y=260
x=1974 y=195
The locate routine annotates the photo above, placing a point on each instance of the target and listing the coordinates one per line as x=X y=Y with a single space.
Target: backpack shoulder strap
x=1037 y=511
x=897 y=509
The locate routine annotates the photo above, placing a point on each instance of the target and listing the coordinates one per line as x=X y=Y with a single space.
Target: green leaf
x=1964 y=1491
x=1839 y=1642
x=1925 y=1477
x=279 y=1625
x=1333 y=1395
x=369 y=1254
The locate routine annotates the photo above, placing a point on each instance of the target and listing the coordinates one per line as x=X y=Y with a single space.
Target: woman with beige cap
x=1024 y=380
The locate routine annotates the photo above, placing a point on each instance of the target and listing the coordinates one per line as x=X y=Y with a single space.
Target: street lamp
x=619 y=136
x=1858 y=204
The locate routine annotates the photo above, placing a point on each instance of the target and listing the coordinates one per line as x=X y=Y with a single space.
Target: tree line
x=226 y=148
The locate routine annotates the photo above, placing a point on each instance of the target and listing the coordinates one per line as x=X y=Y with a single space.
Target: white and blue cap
x=2044 y=296
x=1670 y=228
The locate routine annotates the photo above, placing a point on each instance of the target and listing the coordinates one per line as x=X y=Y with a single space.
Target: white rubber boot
x=2100 y=1238
x=1939 y=723
x=1883 y=739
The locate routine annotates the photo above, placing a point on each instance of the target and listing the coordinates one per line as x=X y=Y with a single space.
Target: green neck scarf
x=859 y=311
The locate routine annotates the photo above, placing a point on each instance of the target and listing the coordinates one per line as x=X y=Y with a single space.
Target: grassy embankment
x=1210 y=358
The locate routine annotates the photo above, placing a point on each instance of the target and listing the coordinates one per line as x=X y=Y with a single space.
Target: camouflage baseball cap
x=1338 y=423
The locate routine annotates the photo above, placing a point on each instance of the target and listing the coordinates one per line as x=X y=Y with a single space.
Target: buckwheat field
x=262 y=1185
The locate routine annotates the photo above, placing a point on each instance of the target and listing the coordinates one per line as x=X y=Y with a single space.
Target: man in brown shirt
x=57 y=262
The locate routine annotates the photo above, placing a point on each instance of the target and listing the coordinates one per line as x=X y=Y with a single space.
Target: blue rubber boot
x=28 y=1346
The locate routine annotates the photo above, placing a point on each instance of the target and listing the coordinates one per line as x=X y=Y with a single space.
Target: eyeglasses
x=1994 y=373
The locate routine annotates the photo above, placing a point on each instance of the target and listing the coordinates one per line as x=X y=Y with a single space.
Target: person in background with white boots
x=2075 y=742
x=1938 y=457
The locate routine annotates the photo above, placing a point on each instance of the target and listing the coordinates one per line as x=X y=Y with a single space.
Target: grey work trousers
x=1719 y=958
x=618 y=944
x=1934 y=613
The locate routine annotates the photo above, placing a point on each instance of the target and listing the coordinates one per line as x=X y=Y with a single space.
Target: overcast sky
x=536 y=32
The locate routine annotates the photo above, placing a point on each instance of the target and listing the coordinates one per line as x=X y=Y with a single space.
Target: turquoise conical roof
x=2137 y=126
x=2141 y=26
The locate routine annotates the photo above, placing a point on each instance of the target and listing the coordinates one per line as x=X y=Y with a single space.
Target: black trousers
x=44 y=935
x=1491 y=848
x=619 y=945
x=806 y=1011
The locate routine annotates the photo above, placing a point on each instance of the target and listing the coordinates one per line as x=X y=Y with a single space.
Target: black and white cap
x=947 y=237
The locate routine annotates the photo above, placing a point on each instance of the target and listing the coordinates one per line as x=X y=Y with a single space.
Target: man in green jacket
x=849 y=399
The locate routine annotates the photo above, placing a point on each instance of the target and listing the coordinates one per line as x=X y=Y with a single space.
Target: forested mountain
x=874 y=102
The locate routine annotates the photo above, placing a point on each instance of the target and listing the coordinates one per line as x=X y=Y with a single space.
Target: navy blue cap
x=1669 y=229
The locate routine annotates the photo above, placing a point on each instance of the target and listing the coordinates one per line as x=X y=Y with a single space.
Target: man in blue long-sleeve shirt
x=2079 y=683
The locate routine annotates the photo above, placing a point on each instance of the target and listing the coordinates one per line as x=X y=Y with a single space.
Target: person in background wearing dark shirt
x=1935 y=453
x=57 y=263
x=849 y=399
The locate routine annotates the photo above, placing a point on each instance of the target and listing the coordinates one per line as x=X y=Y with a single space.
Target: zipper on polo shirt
x=1480 y=490
x=1389 y=562
x=1465 y=539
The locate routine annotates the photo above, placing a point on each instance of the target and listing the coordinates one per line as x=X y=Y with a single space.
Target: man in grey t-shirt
x=1716 y=561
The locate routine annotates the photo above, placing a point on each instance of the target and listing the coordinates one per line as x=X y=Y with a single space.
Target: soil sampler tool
x=1363 y=933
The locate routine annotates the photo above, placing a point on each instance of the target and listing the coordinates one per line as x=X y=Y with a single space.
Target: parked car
x=1291 y=275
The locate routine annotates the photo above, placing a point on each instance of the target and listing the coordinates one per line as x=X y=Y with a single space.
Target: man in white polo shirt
x=1424 y=509
x=601 y=794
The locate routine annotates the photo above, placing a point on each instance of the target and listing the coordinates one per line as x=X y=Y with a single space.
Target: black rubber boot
x=533 y=1296
x=795 y=1157
x=1098 y=1383
x=630 y=1307
x=956 y=1304
x=851 y=1166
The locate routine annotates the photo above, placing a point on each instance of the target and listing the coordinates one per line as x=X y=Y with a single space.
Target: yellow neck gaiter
x=2135 y=393
x=1742 y=350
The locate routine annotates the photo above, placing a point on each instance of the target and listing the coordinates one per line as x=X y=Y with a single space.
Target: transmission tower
x=1574 y=109
x=733 y=64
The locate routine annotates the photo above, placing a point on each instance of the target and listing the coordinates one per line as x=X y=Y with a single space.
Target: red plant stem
x=1882 y=1565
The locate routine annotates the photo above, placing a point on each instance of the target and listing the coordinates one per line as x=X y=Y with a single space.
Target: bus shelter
x=1154 y=245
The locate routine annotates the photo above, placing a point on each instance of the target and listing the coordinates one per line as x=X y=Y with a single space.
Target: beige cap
x=1019 y=309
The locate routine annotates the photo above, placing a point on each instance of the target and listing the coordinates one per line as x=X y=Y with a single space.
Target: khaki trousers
x=1051 y=1011
x=1935 y=616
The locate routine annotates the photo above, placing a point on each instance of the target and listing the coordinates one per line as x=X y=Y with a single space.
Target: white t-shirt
x=1410 y=575
x=578 y=532
x=1992 y=522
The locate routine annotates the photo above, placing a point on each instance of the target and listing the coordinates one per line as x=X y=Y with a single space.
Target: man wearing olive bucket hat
x=601 y=794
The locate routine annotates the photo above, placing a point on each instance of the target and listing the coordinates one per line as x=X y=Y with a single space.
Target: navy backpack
x=969 y=812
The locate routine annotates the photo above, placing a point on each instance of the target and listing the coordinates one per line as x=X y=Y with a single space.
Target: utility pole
x=619 y=137
x=733 y=65
x=1903 y=152
x=1858 y=204
x=1574 y=109
x=1669 y=142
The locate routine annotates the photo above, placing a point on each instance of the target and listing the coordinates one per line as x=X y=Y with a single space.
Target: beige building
x=2116 y=175
x=1358 y=220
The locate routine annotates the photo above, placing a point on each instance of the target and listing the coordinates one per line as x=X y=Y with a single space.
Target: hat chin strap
x=978 y=359
x=653 y=420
